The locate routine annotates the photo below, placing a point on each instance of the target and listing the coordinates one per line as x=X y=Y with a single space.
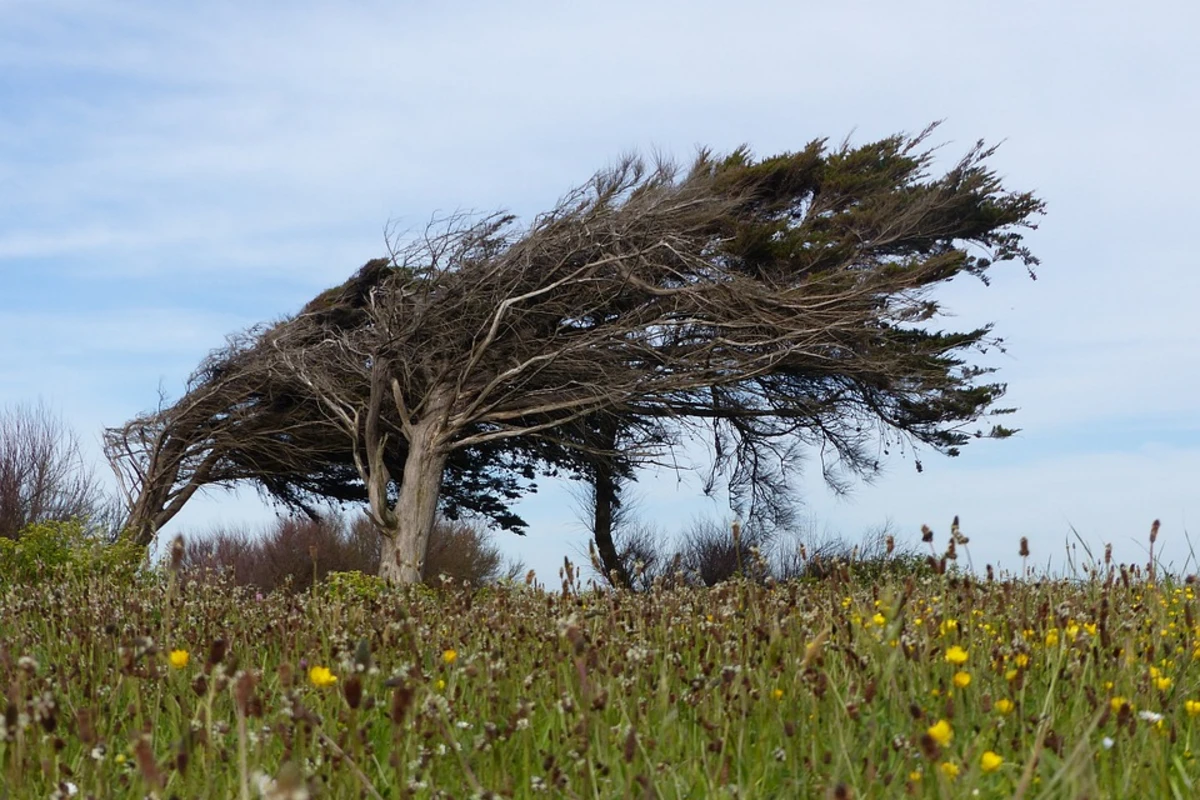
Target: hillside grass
x=930 y=686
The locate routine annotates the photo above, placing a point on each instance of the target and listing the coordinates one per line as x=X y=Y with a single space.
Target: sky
x=174 y=172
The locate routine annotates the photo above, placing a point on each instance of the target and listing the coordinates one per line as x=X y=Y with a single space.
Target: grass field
x=931 y=686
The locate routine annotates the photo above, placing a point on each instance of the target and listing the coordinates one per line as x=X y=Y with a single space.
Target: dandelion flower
x=879 y=619
x=321 y=677
x=1003 y=706
x=1052 y=637
x=1021 y=660
x=178 y=658
x=1162 y=683
x=956 y=655
x=449 y=656
x=962 y=679
x=949 y=769
x=990 y=762
x=941 y=732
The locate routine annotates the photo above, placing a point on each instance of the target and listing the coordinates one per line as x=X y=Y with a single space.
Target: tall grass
x=929 y=685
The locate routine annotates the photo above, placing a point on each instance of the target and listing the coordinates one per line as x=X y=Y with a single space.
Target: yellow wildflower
x=1192 y=707
x=321 y=677
x=962 y=679
x=990 y=762
x=949 y=769
x=777 y=694
x=1003 y=706
x=915 y=775
x=1162 y=683
x=449 y=656
x=956 y=655
x=941 y=732
x=879 y=619
x=1052 y=637
x=1116 y=703
x=1021 y=660
x=178 y=658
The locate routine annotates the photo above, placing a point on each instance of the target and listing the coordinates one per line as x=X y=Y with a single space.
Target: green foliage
x=66 y=550
x=872 y=569
x=353 y=587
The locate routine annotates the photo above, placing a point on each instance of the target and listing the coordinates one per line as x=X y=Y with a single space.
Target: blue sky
x=173 y=172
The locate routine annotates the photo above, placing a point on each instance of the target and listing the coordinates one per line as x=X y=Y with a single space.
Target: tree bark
x=404 y=547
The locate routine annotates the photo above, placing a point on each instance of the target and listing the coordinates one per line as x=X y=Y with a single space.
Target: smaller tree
x=43 y=476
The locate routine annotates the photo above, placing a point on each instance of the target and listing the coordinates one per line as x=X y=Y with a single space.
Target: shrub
x=877 y=557
x=645 y=557
x=355 y=587
x=463 y=551
x=291 y=553
x=711 y=554
x=69 y=549
x=294 y=551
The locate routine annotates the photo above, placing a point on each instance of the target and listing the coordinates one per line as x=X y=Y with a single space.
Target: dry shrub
x=709 y=553
x=464 y=551
x=43 y=476
x=293 y=551
x=646 y=559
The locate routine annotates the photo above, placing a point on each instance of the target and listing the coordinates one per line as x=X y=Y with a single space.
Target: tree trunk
x=605 y=488
x=605 y=491
x=403 y=554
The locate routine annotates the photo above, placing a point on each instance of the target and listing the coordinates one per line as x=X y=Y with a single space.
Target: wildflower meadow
x=939 y=683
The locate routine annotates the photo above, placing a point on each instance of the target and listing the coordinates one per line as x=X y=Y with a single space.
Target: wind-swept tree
x=779 y=300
